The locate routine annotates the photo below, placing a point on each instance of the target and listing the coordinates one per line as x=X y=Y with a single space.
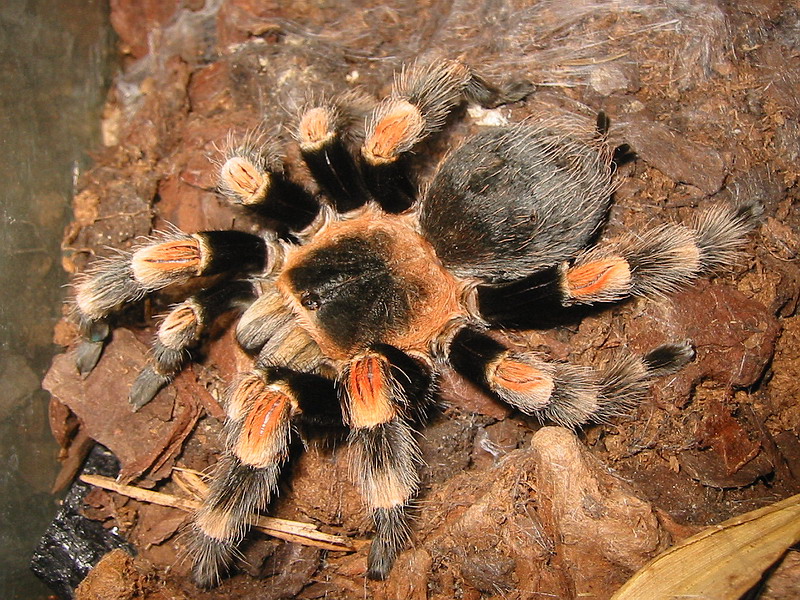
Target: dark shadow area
x=56 y=68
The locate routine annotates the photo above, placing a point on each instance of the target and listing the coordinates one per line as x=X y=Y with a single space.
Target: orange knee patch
x=399 y=127
x=522 y=379
x=603 y=280
x=158 y=265
x=247 y=391
x=264 y=436
x=369 y=392
x=315 y=128
x=246 y=180
x=182 y=322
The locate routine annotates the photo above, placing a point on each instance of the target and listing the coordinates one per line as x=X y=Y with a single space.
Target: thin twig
x=291 y=531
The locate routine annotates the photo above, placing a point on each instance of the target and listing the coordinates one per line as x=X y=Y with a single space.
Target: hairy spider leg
x=421 y=99
x=655 y=263
x=251 y=175
x=261 y=411
x=180 y=331
x=163 y=259
x=322 y=132
x=380 y=391
x=563 y=393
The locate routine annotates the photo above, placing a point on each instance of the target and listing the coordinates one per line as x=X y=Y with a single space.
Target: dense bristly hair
x=362 y=302
x=513 y=200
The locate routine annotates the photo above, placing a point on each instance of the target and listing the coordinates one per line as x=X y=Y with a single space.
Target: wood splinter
x=290 y=531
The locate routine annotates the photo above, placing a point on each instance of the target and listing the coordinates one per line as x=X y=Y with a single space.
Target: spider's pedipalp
x=379 y=387
x=268 y=313
x=269 y=328
x=180 y=331
x=566 y=394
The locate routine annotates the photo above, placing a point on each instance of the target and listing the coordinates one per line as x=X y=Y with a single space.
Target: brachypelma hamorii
x=360 y=297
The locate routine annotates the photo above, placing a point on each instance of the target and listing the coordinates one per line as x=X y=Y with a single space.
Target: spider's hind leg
x=662 y=260
x=566 y=394
x=657 y=262
x=381 y=389
x=421 y=99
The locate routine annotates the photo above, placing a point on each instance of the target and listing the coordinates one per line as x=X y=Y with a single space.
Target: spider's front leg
x=261 y=411
x=180 y=331
x=381 y=390
x=566 y=394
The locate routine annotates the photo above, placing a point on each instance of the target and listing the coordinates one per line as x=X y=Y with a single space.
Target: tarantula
x=364 y=294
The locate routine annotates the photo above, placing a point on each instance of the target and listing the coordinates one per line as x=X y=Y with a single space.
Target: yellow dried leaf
x=720 y=562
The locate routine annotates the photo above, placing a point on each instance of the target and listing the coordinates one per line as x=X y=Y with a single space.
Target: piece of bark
x=155 y=434
x=669 y=151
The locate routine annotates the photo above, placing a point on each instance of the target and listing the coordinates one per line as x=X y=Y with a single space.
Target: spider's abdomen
x=514 y=200
x=370 y=280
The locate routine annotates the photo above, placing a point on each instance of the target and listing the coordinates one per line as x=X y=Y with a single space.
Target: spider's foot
x=87 y=355
x=391 y=536
x=669 y=358
x=212 y=560
x=148 y=383
x=88 y=352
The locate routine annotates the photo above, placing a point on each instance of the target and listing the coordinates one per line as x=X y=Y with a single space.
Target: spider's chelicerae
x=364 y=294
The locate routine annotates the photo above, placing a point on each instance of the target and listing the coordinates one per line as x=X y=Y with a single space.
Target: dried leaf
x=720 y=562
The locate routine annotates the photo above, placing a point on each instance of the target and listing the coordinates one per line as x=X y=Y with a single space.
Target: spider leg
x=378 y=389
x=566 y=394
x=658 y=262
x=421 y=99
x=181 y=330
x=321 y=134
x=252 y=176
x=262 y=409
x=164 y=259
